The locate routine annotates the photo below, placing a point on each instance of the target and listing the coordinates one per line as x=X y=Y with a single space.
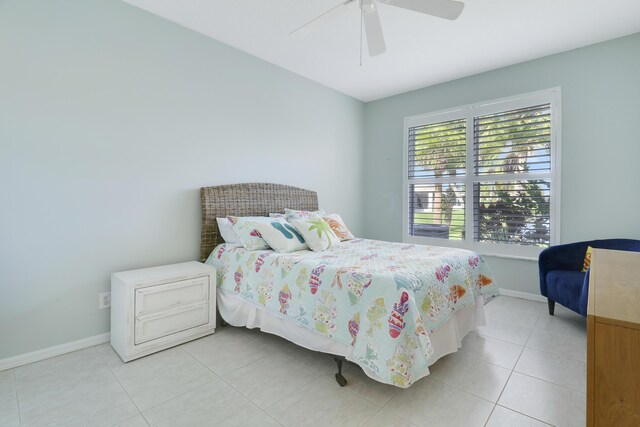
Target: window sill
x=515 y=252
x=516 y=257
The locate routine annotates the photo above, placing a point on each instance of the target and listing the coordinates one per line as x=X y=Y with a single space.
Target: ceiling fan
x=447 y=9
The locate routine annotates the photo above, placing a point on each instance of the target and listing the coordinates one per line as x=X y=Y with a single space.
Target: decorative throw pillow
x=292 y=214
x=281 y=236
x=245 y=229
x=587 y=259
x=316 y=233
x=338 y=227
x=277 y=215
x=226 y=230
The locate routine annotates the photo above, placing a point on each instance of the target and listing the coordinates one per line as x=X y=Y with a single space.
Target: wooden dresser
x=613 y=339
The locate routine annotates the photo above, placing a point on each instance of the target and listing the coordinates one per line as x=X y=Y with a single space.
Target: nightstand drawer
x=162 y=324
x=162 y=297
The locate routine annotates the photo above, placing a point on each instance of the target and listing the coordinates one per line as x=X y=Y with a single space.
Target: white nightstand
x=156 y=308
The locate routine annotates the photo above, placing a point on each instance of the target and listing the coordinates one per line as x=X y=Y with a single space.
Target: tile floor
x=524 y=368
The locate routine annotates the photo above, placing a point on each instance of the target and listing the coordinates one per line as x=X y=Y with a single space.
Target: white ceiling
x=421 y=50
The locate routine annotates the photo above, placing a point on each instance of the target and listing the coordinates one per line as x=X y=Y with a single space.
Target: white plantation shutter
x=512 y=212
x=513 y=149
x=485 y=175
x=436 y=170
x=513 y=141
x=437 y=148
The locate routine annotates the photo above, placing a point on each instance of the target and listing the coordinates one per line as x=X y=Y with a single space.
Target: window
x=484 y=176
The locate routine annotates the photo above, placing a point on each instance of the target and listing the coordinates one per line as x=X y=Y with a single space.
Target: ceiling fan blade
x=373 y=29
x=447 y=9
x=318 y=22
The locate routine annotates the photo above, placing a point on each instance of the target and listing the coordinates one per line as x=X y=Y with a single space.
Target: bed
x=391 y=308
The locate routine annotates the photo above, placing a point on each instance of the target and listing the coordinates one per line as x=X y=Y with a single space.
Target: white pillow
x=316 y=232
x=281 y=236
x=226 y=230
x=338 y=227
x=291 y=214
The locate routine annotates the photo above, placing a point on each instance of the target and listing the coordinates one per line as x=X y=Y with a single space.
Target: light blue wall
x=111 y=119
x=600 y=144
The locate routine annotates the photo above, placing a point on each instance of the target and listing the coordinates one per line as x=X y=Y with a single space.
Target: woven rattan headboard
x=255 y=199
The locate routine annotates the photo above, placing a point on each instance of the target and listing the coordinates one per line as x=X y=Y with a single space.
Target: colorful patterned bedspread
x=380 y=298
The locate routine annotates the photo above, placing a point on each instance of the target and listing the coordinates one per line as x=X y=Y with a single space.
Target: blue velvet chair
x=561 y=276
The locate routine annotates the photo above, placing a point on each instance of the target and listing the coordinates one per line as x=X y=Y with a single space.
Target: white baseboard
x=523 y=295
x=56 y=350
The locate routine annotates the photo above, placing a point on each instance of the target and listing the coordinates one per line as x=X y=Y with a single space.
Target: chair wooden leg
x=552 y=306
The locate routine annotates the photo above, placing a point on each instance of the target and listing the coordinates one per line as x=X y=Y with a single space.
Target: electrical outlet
x=105 y=300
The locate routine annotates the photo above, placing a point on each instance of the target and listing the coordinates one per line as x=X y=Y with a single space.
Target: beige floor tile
x=213 y=404
x=554 y=368
x=174 y=387
x=7 y=382
x=267 y=380
x=386 y=419
x=137 y=421
x=571 y=346
x=513 y=311
x=9 y=415
x=358 y=382
x=261 y=419
x=159 y=377
x=564 y=322
x=520 y=303
x=474 y=376
x=226 y=350
x=61 y=372
x=109 y=355
x=319 y=403
x=317 y=362
x=503 y=417
x=544 y=401
x=313 y=360
x=431 y=403
x=93 y=402
x=506 y=331
x=497 y=352
x=262 y=337
x=71 y=389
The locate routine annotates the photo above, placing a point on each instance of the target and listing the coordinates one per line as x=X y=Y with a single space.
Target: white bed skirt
x=444 y=340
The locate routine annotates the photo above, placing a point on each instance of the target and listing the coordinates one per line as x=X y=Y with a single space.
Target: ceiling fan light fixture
x=447 y=9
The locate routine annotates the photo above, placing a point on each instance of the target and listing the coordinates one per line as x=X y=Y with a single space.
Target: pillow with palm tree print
x=316 y=232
